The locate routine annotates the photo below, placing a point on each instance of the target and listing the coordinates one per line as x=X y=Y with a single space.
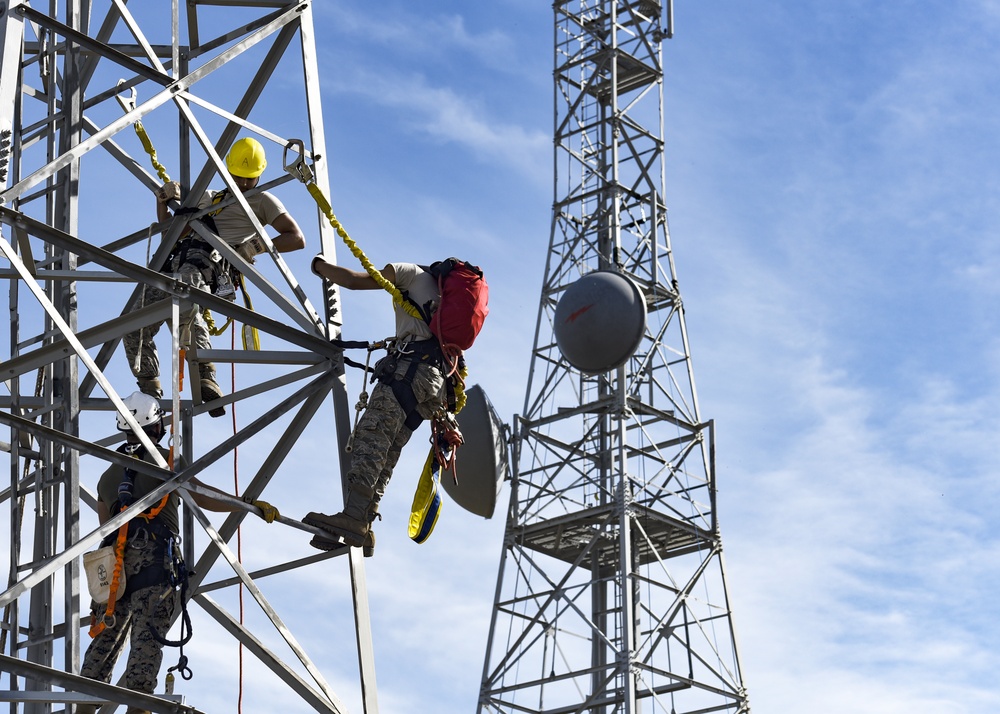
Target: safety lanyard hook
x=127 y=104
x=297 y=167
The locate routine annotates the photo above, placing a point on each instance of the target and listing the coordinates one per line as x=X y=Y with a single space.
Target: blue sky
x=832 y=184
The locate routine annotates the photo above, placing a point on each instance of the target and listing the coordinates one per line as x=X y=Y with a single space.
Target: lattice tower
x=611 y=595
x=202 y=70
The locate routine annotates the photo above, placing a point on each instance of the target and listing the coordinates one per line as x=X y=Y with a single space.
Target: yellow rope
x=251 y=338
x=210 y=322
x=397 y=297
x=140 y=131
x=460 y=396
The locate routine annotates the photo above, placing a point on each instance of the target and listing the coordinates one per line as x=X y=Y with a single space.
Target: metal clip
x=297 y=167
x=127 y=104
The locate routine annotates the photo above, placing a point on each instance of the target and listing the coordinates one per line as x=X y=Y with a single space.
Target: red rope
x=239 y=531
x=446 y=439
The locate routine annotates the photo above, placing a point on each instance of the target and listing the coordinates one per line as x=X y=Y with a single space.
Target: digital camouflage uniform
x=381 y=433
x=149 y=600
x=233 y=226
x=134 y=614
x=140 y=349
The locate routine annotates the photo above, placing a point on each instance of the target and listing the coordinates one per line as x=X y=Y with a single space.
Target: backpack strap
x=425 y=309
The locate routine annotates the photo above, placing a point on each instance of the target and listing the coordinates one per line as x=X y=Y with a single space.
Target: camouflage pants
x=134 y=613
x=140 y=349
x=381 y=433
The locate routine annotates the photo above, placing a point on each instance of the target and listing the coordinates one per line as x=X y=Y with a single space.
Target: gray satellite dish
x=482 y=460
x=600 y=321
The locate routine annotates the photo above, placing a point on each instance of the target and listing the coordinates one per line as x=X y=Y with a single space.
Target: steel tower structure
x=71 y=73
x=611 y=595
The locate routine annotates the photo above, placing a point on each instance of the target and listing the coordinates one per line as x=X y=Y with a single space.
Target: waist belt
x=422 y=351
x=157 y=535
x=417 y=353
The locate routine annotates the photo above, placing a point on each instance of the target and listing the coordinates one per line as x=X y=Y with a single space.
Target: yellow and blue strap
x=426 y=505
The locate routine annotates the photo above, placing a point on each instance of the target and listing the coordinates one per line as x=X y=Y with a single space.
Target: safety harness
x=225 y=278
x=168 y=566
x=153 y=529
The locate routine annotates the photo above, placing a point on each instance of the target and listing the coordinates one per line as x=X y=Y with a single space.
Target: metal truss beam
x=63 y=137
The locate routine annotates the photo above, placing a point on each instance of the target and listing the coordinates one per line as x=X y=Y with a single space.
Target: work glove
x=168 y=192
x=268 y=512
x=319 y=259
x=251 y=248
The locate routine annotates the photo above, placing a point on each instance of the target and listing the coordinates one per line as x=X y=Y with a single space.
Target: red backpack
x=463 y=307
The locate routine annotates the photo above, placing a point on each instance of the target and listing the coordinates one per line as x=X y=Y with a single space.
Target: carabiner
x=127 y=104
x=297 y=167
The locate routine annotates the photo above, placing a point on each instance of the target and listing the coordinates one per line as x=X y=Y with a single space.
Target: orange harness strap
x=97 y=627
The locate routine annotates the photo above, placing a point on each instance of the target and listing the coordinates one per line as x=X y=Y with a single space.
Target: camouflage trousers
x=134 y=614
x=140 y=349
x=381 y=433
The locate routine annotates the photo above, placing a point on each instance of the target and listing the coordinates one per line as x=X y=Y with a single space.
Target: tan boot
x=210 y=391
x=150 y=386
x=368 y=547
x=351 y=524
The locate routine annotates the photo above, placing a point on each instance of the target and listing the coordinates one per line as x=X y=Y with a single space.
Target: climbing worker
x=150 y=560
x=411 y=388
x=197 y=263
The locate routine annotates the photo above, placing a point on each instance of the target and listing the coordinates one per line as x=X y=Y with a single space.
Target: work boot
x=87 y=708
x=210 y=391
x=351 y=524
x=368 y=547
x=150 y=386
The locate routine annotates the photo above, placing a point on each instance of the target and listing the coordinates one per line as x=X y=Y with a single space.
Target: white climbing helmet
x=144 y=408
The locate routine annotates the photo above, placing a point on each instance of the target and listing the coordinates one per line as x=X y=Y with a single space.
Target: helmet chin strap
x=153 y=431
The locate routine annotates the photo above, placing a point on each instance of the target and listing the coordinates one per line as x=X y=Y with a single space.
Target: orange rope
x=452 y=437
x=98 y=627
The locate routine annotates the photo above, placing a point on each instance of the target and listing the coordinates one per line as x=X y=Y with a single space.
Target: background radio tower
x=611 y=595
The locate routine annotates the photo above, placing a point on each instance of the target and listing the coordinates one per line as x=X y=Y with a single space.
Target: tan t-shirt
x=232 y=223
x=423 y=290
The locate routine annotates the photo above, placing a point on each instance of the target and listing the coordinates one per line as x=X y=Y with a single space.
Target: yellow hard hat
x=246 y=158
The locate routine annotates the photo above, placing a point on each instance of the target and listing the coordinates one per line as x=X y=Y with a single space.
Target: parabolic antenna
x=599 y=321
x=482 y=459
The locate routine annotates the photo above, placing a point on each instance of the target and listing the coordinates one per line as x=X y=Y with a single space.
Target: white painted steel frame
x=52 y=116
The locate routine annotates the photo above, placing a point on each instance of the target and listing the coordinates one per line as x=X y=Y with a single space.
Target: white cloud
x=447 y=117
x=430 y=36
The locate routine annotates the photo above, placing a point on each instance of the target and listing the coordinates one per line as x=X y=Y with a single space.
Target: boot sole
x=326 y=544
x=349 y=537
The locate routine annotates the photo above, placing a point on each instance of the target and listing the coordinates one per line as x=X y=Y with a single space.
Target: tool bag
x=100 y=566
